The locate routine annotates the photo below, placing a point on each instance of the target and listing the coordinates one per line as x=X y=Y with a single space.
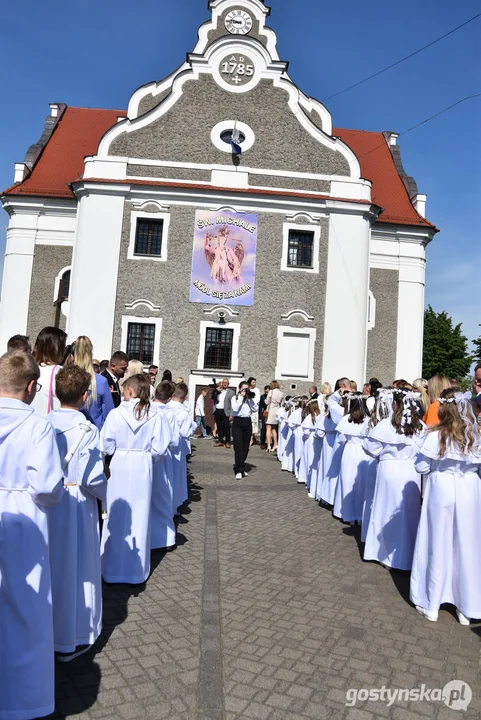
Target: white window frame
x=312 y=333
x=126 y=319
x=316 y=230
x=136 y=215
x=236 y=327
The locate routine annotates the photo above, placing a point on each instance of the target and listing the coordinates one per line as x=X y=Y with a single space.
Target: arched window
x=64 y=286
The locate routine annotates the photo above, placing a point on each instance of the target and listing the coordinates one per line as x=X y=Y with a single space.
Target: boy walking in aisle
x=200 y=412
x=73 y=523
x=31 y=480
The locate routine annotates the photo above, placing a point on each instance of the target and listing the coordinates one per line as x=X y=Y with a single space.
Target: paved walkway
x=264 y=611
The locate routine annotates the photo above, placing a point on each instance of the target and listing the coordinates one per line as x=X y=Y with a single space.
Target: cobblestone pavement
x=265 y=611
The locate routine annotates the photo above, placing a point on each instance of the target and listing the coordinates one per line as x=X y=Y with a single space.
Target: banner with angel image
x=224 y=258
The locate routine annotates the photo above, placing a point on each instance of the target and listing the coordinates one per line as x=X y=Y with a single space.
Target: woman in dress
x=273 y=402
x=49 y=352
x=396 y=506
x=446 y=557
x=99 y=402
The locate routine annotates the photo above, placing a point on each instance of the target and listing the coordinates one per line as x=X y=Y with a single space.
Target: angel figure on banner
x=225 y=262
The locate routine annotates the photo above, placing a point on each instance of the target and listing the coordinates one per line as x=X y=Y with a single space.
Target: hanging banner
x=224 y=258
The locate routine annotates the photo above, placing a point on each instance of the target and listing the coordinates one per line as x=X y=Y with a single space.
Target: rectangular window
x=295 y=353
x=148 y=237
x=140 y=342
x=218 y=348
x=299 y=253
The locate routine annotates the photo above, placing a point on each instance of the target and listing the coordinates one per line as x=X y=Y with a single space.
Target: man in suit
x=115 y=371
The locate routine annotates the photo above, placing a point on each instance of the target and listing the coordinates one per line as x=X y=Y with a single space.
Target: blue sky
x=94 y=54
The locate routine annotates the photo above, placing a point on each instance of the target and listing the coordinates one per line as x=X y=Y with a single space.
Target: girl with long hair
x=49 y=352
x=446 y=557
x=436 y=385
x=134 y=435
x=393 y=521
x=312 y=447
x=420 y=385
x=331 y=455
x=356 y=465
x=99 y=402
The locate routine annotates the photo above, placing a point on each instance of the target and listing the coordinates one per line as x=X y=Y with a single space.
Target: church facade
x=220 y=226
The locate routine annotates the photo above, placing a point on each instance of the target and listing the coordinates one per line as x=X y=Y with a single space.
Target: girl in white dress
x=287 y=461
x=396 y=504
x=446 y=566
x=332 y=449
x=281 y=432
x=133 y=436
x=312 y=448
x=381 y=406
x=356 y=465
x=49 y=352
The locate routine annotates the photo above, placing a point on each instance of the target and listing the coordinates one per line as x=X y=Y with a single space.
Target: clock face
x=238 y=22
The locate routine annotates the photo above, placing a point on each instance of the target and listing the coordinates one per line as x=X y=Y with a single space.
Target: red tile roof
x=377 y=165
x=79 y=130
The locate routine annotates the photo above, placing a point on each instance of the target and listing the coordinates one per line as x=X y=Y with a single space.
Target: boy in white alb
x=73 y=523
x=200 y=413
x=30 y=480
x=163 y=531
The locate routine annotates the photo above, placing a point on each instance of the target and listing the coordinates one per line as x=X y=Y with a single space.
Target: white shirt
x=199 y=406
x=242 y=407
x=221 y=400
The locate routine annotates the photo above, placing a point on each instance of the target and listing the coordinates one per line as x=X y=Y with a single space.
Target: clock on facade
x=238 y=22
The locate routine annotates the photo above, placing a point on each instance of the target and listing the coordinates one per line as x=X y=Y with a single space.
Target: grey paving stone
x=265 y=611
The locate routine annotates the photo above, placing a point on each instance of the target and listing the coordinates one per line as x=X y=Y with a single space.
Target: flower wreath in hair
x=458 y=398
x=465 y=410
x=409 y=397
x=384 y=402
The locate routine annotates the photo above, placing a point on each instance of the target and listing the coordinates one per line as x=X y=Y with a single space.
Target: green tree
x=445 y=348
x=477 y=349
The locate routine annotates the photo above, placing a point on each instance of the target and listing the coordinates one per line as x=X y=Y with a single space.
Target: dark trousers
x=263 y=431
x=241 y=433
x=223 y=426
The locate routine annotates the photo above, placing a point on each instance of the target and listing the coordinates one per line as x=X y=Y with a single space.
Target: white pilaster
x=17 y=276
x=345 y=325
x=410 y=328
x=93 y=288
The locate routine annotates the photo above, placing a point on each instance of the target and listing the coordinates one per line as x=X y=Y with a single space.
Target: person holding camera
x=243 y=404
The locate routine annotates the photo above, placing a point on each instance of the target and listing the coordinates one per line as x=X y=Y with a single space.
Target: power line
x=416 y=52
x=423 y=122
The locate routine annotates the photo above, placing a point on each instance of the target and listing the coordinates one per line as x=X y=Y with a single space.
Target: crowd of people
x=403 y=463
x=93 y=475
x=93 y=463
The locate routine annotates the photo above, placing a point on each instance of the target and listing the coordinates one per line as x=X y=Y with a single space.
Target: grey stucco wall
x=169 y=172
x=382 y=339
x=276 y=292
x=293 y=183
x=281 y=141
x=47 y=263
x=149 y=101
